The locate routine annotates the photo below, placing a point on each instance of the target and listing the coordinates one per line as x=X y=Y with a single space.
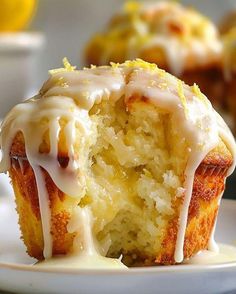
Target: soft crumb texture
x=135 y=176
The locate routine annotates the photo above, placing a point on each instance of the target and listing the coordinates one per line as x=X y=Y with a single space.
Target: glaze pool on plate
x=17 y=275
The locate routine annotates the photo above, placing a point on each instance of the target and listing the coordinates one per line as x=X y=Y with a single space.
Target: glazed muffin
x=176 y=38
x=229 y=69
x=122 y=160
x=228 y=22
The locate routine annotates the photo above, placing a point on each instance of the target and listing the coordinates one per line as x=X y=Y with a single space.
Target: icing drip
x=81 y=222
x=44 y=211
x=63 y=106
x=85 y=253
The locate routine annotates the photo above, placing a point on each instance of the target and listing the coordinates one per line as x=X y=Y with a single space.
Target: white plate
x=17 y=275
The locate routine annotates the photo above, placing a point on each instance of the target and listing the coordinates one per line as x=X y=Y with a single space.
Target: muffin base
x=209 y=183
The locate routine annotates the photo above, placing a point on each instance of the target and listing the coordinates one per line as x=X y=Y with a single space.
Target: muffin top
x=66 y=99
x=181 y=32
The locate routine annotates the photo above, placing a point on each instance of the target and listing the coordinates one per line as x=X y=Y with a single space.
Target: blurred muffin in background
x=229 y=67
x=176 y=38
x=228 y=22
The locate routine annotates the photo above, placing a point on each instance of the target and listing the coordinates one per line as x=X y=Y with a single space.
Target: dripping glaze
x=71 y=94
x=85 y=253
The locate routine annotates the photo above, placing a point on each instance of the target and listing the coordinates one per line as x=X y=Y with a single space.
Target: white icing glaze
x=226 y=253
x=69 y=95
x=44 y=211
x=75 y=261
x=81 y=222
x=85 y=254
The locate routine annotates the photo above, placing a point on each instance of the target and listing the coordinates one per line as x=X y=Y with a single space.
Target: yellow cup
x=15 y=15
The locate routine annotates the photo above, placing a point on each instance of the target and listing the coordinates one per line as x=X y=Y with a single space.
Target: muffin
x=122 y=160
x=176 y=38
x=229 y=69
x=228 y=22
x=228 y=31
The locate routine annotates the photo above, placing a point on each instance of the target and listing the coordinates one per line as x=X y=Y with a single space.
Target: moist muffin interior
x=134 y=174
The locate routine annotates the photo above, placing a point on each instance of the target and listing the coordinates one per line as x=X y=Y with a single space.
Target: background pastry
x=177 y=38
x=122 y=159
x=228 y=22
x=229 y=68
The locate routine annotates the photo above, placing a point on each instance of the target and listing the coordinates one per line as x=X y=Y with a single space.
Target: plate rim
x=177 y=269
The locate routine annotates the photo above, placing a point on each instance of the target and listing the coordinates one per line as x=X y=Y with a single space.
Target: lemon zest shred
x=114 y=65
x=180 y=90
x=56 y=70
x=196 y=90
x=153 y=83
x=62 y=83
x=141 y=63
x=67 y=67
x=163 y=86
